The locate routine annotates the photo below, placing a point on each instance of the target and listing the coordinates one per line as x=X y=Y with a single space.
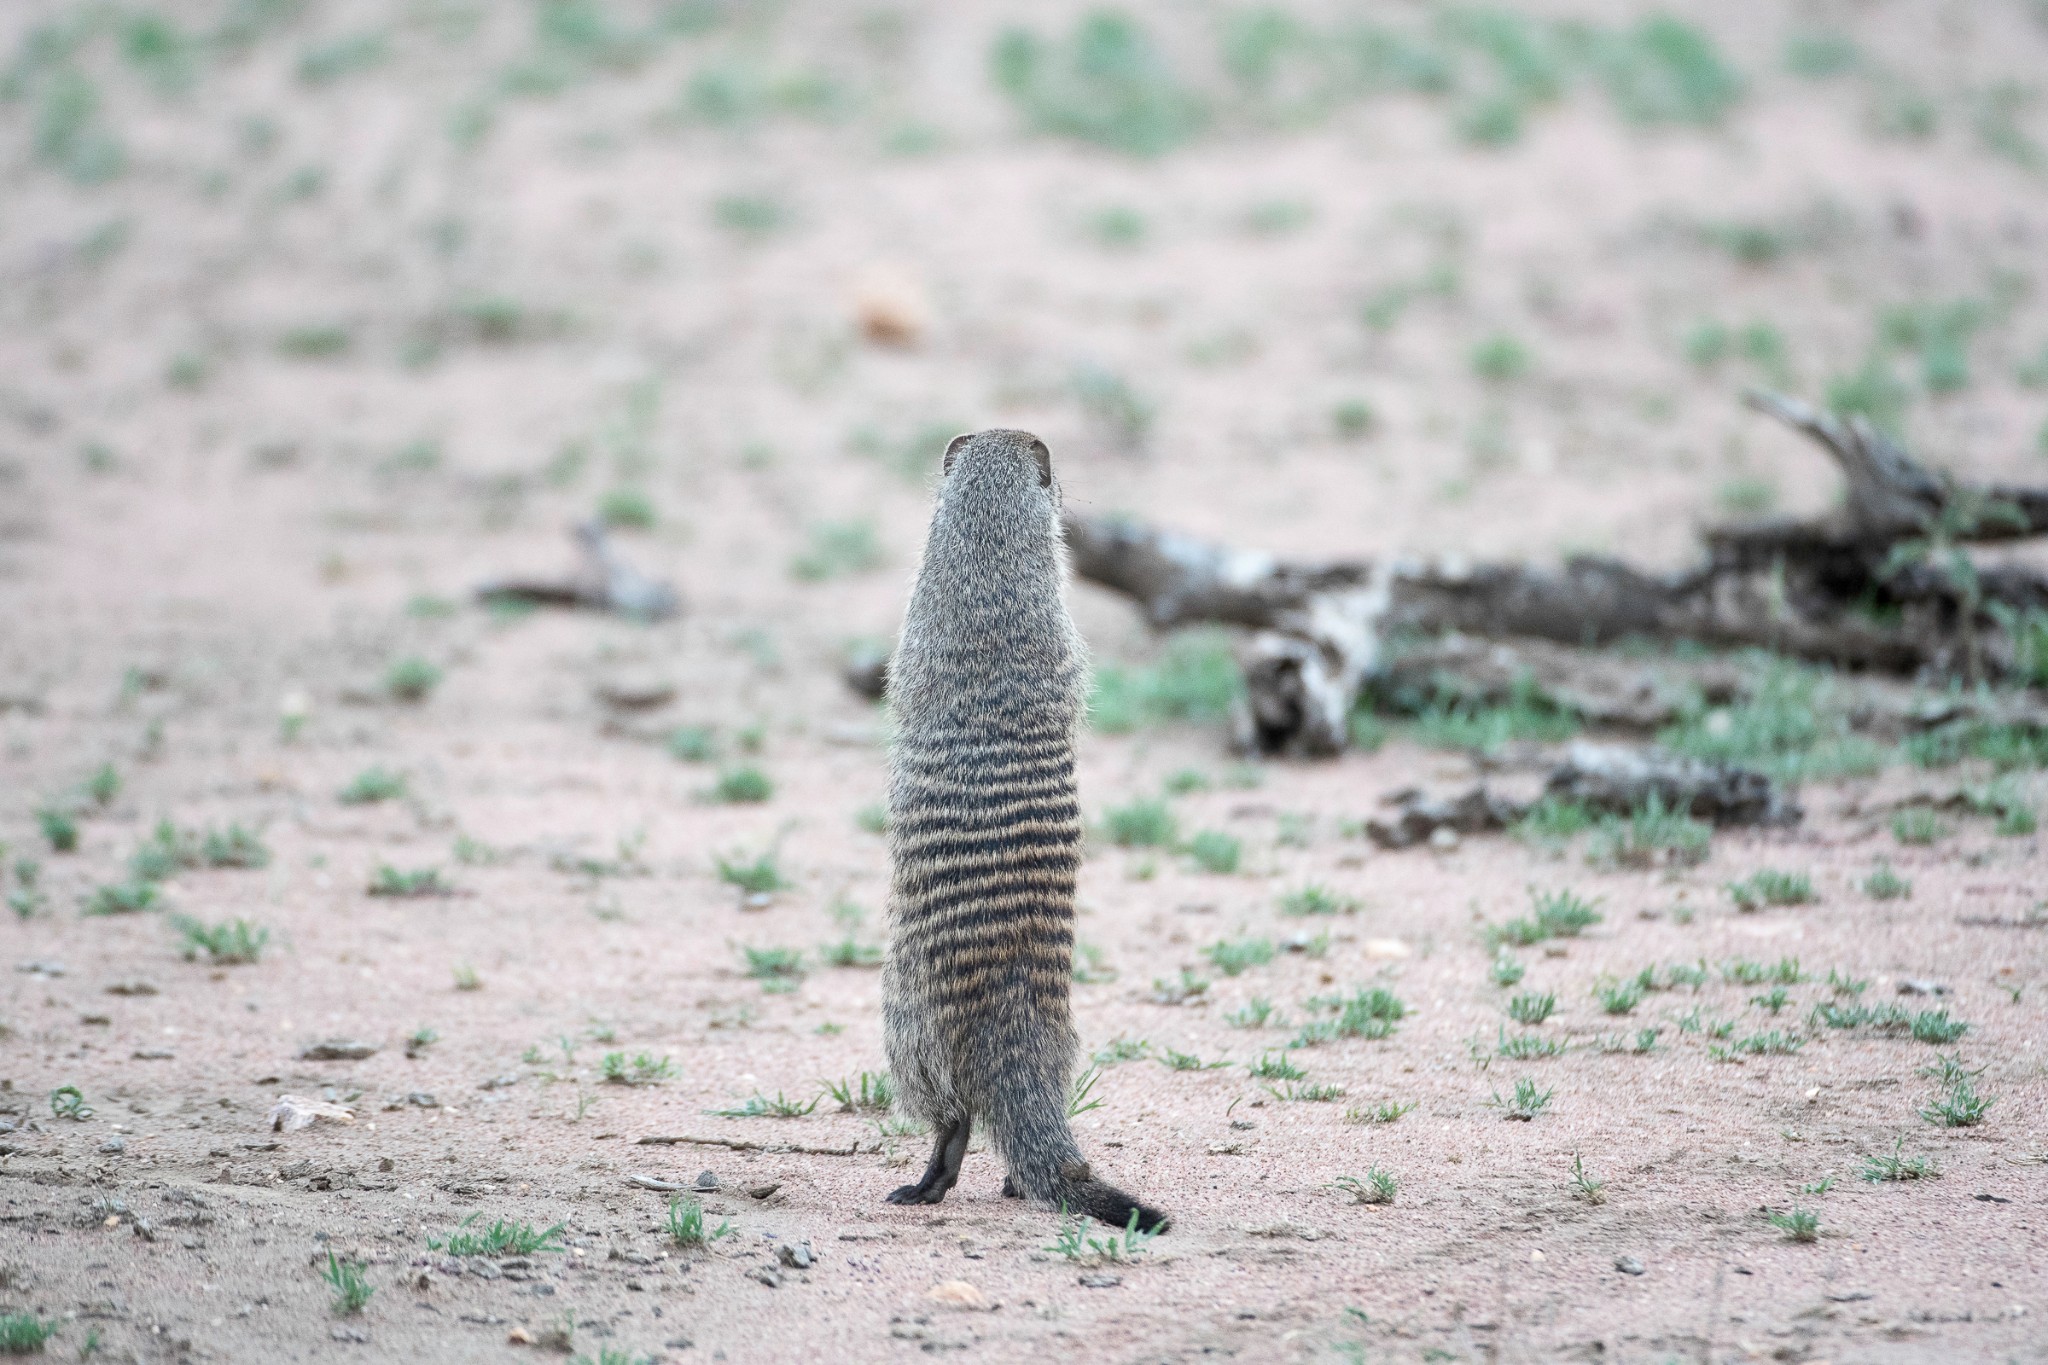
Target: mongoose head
x=1013 y=462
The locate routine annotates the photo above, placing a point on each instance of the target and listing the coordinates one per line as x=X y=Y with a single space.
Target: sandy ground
x=198 y=525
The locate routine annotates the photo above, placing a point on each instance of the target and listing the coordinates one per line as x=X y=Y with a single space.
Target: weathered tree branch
x=1833 y=589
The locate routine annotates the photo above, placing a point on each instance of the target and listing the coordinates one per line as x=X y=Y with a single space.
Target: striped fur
x=988 y=685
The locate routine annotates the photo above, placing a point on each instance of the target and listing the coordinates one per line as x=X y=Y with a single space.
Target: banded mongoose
x=988 y=684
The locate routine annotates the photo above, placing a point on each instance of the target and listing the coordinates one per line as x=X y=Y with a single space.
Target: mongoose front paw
x=1010 y=1190
x=915 y=1194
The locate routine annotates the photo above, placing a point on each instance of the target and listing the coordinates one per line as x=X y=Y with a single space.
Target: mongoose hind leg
x=1010 y=1190
x=949 y=1145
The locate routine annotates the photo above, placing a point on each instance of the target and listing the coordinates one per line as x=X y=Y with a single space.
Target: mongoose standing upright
x=988 y=684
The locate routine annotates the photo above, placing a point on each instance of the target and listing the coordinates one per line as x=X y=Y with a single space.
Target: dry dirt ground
x=315 y=315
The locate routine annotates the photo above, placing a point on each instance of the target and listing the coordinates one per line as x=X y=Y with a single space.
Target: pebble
x=337 y=1050
x=114 y=1146
x=796 y=1257
x=767 y=1275
x=1628 y=1265
x=707 y=1180
x=1101 y=1281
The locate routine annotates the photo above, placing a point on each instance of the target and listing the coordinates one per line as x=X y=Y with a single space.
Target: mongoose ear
x=1044 y=458
x=953 y=448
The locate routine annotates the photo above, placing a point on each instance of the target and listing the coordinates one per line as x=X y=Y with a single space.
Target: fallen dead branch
x=604 y=581
x=855 y=1148
x=1603 y=779
x=1884 y=586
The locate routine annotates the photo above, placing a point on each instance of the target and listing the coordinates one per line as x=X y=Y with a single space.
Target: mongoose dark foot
x=1010 y=1190
x=943 y=1171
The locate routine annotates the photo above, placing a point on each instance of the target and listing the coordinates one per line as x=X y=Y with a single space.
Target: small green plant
x=1306 y=1094
x=1371 y=1014
x=1275 y=1067
x=412 y=679
x=1234 y=958
x=1962 y=1107
x=1118 y=1050
x=1584 y=1186
x=1500 y=358
x=1897 y=1166
x=1653 y=833
x=1917 y=825
x=233 y=847
x=743 y=785
x=413 y=882
x=627 y=509
x=1073 y=1243
x=1557 y=914
x=466 y=978
x=1773 y=1000
x=838 y=549
x=873 y=818
x=777 y=969
x=23 y=1334
x=121 y=898
x=1846 y=985
x=1526 y=1047
x=1175 y=1060
x=372 y=785
x=686 y=1224
x=850 y=952
x=1216 y=852
x=104 y=785
x=1507 y=970
x=693 y=743
x=1935 y=1026
x=345 y=1279
x=1390 y=1112
x=1144 y=823
x=1744 y=972
x=750 y=215
x=230 y=942
x=59 y=828
x=758 y=876
x=1619 y=997
x=1316 y=899
x=1693 y=974
x=760 y=1106
x=1774 y=1043
x=871 y=1091
x=68 y=1102
x=1883 y=884
x=1196 y=678
x=642 y=1068
x=1531 y=1008
x=1799 y=1225
x=1768 y=887
x=1552 y=821
x=1527 y=1101
x=501 y=1238
x=1256 y=1012
x=1378 y=1187
x=1081 y=1097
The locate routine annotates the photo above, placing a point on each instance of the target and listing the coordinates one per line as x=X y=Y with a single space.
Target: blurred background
x=363 y=300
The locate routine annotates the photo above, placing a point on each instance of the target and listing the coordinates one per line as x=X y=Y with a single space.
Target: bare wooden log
x=1797 y=587
x=604 y=581
x=1612 y=779
x=854 y=1148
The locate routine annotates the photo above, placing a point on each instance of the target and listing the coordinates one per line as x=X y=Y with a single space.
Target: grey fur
x=988 y=685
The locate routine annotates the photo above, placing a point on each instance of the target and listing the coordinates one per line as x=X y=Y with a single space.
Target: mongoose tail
x=1027 y=1117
